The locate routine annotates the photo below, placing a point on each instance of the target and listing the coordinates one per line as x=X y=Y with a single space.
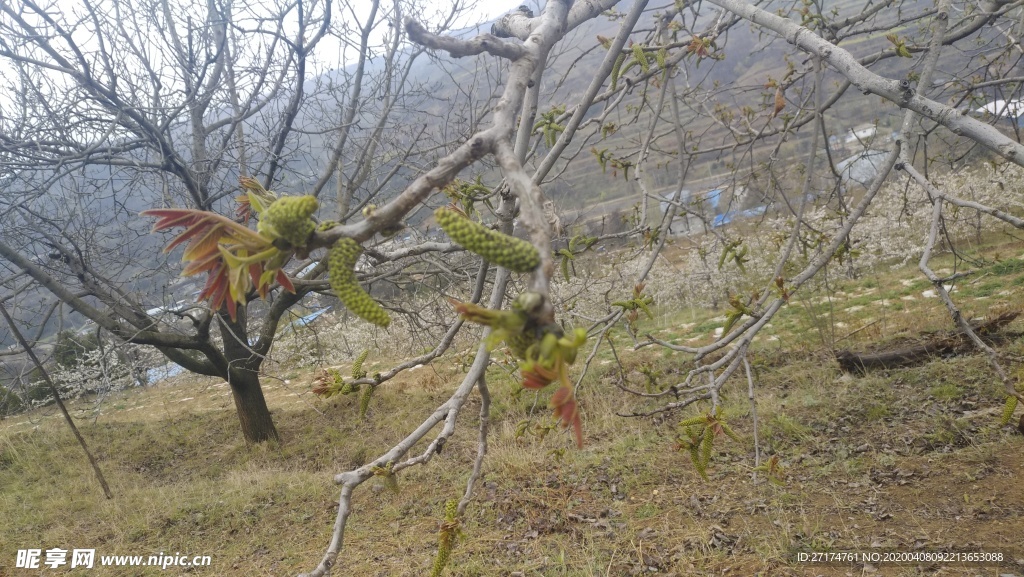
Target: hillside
x=908 y=459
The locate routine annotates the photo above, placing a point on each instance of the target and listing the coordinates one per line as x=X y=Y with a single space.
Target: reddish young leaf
x=216 y=289
x=246 y=208
x=567 y=412
x=536 y=377
x=235 y=258
x=172 y=217
x=285 y=282
x=204 y=224
x=243 y=212
x=208 y=263
x=255 y=273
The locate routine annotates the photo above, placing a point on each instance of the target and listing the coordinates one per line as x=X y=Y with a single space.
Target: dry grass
x=894 y=459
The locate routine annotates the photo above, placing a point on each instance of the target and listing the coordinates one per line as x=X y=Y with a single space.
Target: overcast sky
x=330 y=53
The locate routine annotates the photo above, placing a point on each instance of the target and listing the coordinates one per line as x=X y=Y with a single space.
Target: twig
x=753 y=413
x=874 y=322
x=993 y=357
x=56 y=397
x=481 y=449
x=869 y=82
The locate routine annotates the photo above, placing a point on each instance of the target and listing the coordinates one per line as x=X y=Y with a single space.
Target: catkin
x=341 y=262
x=357 y=366
x=705 y=451
x=501 y=249
x=289 y=218
x=1008 y=409
x=364 y=400
x=446 y=538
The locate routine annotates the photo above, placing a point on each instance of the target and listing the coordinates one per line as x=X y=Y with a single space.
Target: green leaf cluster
x=577 y=245
x=698 y=436
x=739 y=309
x=638 y=302
x=901 y=46
x=465 y=194
x=544 y=350
x=772 y=468
x=736 y=252
x=387 y=475
x=330 y=382
x=549 y=125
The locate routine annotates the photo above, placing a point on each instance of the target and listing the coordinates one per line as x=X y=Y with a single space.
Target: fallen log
x=945 y=343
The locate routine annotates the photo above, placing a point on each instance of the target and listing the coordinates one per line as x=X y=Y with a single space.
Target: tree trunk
x=244 y=379
x=253 y=414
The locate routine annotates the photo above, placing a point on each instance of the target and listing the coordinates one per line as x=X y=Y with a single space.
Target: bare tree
x=113 y=108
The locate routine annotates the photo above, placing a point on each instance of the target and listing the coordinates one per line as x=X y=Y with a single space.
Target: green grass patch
x=1007 y=267
x=986 y=289
x=877 y=412
x=946 y=392
x=786 y=429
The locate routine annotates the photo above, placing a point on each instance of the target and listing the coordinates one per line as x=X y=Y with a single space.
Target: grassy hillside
x=895 y=459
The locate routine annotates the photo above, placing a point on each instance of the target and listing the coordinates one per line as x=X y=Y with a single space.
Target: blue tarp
x=305 y=321
x=732 y=215
x=165 y=372
x=712 y=197
x=310 y=317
